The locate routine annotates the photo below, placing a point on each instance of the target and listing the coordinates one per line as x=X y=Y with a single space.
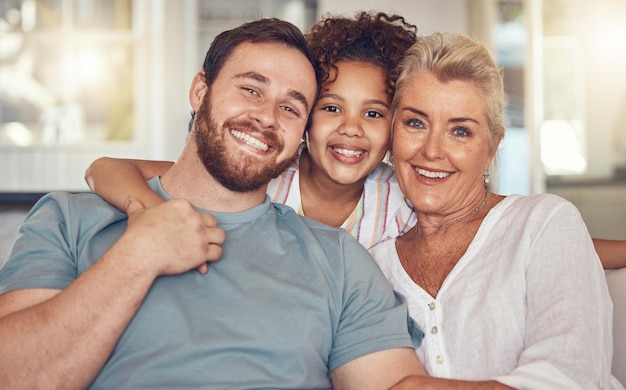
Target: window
x=216 y=16
x=69 y=88
x=66 y=71
x=81 y=79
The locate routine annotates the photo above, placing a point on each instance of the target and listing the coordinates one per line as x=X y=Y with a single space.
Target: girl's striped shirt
x=382 y=211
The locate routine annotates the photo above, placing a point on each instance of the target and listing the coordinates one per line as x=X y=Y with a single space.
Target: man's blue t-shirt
x=290 y=300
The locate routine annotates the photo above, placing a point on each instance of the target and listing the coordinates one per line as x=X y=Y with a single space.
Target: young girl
x=339 y=177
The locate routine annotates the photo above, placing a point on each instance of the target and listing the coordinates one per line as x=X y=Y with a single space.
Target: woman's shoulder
x=534 y=207
x=545 y=200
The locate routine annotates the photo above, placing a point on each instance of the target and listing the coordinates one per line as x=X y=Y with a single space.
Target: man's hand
x=172 y=238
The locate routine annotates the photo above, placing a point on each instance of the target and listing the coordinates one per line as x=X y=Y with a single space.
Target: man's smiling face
x=251 y=119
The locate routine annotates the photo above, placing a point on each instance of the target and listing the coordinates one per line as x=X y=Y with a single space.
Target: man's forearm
x=64 y=341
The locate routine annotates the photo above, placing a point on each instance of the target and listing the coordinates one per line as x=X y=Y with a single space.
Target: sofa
x=616 y=279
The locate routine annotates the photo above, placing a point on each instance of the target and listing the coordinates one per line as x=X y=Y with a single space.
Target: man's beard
x=239 y=173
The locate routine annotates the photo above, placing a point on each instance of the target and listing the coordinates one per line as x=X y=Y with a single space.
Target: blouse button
x=433 y=330
x=439 y=359
x=431 y=306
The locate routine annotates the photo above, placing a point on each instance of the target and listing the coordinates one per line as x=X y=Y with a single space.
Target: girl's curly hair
x=375 y=38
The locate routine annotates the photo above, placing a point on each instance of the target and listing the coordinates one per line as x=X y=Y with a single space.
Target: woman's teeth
x=432 y=175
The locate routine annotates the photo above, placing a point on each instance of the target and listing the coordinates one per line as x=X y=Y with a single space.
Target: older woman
x=509 y=290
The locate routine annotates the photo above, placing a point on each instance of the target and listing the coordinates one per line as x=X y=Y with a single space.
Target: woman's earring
x=486 y=177
x=306 y=139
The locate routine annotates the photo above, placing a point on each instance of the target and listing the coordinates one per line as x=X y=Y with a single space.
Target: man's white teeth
x=432 y=175
x=255 y=143
x=348 y=152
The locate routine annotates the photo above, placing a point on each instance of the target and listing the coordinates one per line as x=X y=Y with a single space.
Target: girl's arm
x=612 y=253
x=117 y=180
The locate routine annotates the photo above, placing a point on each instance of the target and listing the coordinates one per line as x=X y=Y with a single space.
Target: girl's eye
x=331 y=108
x=461 y=132
x=373 y=114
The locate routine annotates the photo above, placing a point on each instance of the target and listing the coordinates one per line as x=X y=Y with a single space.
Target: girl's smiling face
x=350 y=128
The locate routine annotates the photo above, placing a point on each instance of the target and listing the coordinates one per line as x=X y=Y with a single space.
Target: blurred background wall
x=81 y=79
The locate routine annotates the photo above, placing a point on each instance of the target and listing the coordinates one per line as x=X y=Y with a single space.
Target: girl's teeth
x=348 y=152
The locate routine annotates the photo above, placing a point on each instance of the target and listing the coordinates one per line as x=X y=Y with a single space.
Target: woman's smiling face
x=350 y=128
x=441 y=143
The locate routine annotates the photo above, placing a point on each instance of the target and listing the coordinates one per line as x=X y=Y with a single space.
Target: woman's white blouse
x=526 y=305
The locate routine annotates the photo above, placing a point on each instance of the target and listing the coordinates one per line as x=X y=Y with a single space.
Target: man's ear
x=198 y=90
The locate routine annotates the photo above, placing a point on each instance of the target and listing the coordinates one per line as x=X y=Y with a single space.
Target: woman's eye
x=461 y=132
x=415 y=123
x=373 y=114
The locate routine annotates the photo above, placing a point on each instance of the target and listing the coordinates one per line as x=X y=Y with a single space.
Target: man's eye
x=292 y=111
x=250 y=91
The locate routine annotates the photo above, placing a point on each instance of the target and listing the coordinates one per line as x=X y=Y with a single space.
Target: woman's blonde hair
x=450 y=56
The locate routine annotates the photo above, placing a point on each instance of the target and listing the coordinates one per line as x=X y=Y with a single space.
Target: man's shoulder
x=59 y=236
x=72 y=200
x=66 y=196
x=71 y=207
